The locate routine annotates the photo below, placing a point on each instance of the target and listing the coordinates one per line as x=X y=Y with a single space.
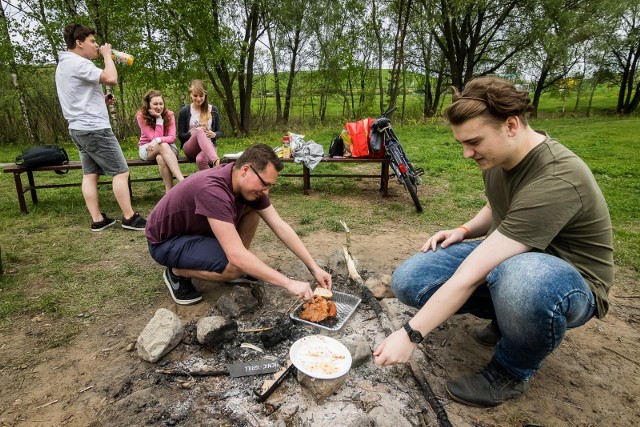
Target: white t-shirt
x=80 y=93
x=194 y=121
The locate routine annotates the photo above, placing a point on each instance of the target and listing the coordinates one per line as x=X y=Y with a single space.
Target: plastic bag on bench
x=309 y=153
x=360 y=135
x=43 y=155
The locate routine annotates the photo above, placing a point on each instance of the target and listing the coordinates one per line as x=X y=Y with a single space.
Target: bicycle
x=403 y=170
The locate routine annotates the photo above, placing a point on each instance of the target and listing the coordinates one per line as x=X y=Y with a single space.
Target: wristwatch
x=415 y=336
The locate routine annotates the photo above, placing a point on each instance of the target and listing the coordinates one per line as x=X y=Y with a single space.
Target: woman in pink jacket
x=158 y=136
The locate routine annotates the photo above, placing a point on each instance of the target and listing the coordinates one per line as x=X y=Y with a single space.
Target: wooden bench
x=306 y=174
x=21 y=189
x=383 y=176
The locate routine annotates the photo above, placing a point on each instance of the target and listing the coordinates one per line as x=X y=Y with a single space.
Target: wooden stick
x=348 y=234
x=351 y=266
x=291 y=306
x=47 y=404
x=85 y=389
x=243 y=331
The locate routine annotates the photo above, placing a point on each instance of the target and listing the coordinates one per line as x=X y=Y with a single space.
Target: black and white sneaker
x=245 y=279
x=181 y=288
x=136 y=222
x=101 y=225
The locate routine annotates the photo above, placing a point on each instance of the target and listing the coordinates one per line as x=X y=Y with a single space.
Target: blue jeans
x=534 y=297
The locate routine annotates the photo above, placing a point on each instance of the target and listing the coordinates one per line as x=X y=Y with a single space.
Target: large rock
x=338 y=265
x=320 y=389
x=163 y=332
x=237 y=302
x=359 y=348
x=301 y=272
x=380 y=285
x=387 y=416
x=212 y=332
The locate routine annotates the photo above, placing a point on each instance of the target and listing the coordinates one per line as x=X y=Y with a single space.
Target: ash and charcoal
x=223 y=400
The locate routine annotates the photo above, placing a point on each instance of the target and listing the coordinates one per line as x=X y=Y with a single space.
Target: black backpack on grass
x=43 y=155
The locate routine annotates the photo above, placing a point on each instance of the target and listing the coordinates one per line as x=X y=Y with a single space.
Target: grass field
x=53 y=263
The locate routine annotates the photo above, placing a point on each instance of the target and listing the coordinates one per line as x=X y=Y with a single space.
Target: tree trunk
x=541 y=84
x=376 y=29
x=149 y=31
x=427 y=100
x=292 y=69
x=276 y=76
x=404 y=10
x=633 y=104
x=247 y=59
x=15 y=77
x=439 y=83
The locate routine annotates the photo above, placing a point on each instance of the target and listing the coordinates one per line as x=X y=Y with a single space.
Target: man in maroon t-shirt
x=203 y=227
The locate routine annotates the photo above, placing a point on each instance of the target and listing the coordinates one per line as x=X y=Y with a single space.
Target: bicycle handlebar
x=389 y=111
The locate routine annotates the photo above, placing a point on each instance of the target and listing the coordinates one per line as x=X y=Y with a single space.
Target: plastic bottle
x=121 y=57
x=286 y=147
x=346 y=138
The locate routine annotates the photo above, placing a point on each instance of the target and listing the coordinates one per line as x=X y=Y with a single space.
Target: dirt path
x=593 y=379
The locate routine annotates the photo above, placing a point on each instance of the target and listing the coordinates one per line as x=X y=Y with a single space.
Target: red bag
x=360 y=134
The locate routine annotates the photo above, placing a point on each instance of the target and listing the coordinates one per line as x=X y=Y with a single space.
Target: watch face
x=415 y=337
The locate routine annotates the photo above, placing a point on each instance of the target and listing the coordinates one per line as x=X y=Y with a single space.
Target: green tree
x=560 y=27
x=8 y=58
x=626 y=51
x=477 y=37
x=284 y=22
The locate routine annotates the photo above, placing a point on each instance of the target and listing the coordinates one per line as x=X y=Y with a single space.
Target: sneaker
x=101 y=225
x=250 y=280
x=181 y=288
x=489 y=335
x=136 y=222
x=489 y=387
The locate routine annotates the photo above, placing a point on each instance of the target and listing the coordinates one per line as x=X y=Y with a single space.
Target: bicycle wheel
x=411 y=188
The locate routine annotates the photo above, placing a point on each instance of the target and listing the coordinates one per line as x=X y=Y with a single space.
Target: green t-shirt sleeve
x=539 y=212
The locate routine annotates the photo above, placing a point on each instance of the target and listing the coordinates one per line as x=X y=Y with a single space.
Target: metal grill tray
x=345 y=306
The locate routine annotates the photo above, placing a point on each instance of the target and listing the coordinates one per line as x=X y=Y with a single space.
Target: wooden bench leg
x=21 y=201
x=306 y=179
x=32 y=183
x=384 y=179
x=20 y=191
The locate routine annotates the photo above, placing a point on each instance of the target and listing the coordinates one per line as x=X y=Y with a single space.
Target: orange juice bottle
x=121 y=57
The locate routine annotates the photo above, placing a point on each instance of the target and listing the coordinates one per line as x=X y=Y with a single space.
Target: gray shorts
x=100 y=152
x=142 y=150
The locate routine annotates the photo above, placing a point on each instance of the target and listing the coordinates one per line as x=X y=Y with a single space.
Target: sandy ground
x=593 y=379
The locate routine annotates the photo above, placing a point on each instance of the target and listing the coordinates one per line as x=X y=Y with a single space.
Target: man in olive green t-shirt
x=545 y=263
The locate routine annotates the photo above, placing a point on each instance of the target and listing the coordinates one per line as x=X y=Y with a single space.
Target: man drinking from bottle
x=79 y=85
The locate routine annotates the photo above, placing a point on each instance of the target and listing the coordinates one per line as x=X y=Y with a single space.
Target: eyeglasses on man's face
x=264 y=183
